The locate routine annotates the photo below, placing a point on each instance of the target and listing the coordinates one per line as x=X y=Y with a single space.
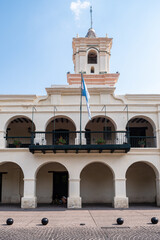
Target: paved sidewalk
x=88 y=223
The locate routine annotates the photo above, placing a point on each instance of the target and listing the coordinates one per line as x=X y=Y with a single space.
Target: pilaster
x=120 y=199
x=74 y=199
x=29 y=200
x=158 y=192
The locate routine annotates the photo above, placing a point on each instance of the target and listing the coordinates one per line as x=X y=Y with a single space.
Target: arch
x=59 y=116
x=43 y=164
x=13 y=118
x=97 y=183
x=105 y=130
x=92 y=56
x=92 y=48
x=142 y=131
x=60 y=127
x=155 y=169
x=11 y=182
x=18 y=131
x=92 y=69
x=141 y=182
x=101 y=163
x=103 y=116
x=4 y=162
x=144 y=117
x=52 y=182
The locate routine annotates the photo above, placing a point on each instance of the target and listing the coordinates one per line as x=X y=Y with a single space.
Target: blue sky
x=36 y=42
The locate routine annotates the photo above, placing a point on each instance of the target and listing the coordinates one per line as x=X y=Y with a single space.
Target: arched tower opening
x=92 y=69
x=92 y=57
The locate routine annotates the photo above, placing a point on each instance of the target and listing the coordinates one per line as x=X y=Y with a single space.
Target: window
x=92 y=57
x=92 y=69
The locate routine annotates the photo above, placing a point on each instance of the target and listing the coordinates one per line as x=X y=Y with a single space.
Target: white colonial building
x=118 y=160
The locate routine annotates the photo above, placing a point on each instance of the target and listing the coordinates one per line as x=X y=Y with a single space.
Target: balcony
x=69 y=141
x=92 y=141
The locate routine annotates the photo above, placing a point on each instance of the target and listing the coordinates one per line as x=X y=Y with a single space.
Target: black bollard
x=120 y=221
x=154 y=220
x=9 y=221
x=44 y=221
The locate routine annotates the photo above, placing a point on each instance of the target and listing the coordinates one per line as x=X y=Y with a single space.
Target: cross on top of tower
x=91 y=33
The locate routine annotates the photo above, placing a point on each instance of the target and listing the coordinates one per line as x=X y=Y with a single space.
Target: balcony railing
x=94 y=139
x=18 y=142
x=70 y=140
x=88 y=137
x=143 y=142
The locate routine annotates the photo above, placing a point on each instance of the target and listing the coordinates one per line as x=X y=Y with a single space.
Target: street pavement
x=88 y=223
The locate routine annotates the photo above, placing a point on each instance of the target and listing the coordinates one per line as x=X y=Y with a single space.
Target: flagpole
x=81 y=112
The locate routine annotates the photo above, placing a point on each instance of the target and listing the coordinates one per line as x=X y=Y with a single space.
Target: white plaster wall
x=141 y=185
x=96 y=68
x=45 y=182
x=75 y=163
x=96 y=184
x=82 y=66
x=12 y=183
x=103 y=63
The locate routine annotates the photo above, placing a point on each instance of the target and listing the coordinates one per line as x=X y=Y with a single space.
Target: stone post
x=74 y=199
x=120 y=199
x=29 y=199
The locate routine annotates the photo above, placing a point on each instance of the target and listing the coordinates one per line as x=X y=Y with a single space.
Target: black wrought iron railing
x=73 y=137
x=18 y=142
x=143 y=142
x=88 y=138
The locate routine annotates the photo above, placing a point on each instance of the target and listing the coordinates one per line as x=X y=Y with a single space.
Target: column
x=156 y=142
x=74 y=199
x=2 y=139
x=29 y=200
x=158 y=191
x=120 y=199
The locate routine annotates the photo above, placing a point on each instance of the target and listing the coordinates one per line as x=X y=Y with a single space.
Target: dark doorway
x=60 y=184
x=1 y=176
x=135 y=134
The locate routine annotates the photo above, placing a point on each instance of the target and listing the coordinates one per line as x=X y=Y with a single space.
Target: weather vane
x=91 y=15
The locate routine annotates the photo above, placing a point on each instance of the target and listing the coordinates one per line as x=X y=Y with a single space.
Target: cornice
x=75 y=89
x=142 y=97
x=17 y=97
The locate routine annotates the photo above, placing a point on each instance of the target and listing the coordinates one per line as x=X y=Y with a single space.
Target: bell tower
x=91 y=55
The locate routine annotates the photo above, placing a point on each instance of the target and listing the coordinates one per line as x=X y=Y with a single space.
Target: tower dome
x=91 y=33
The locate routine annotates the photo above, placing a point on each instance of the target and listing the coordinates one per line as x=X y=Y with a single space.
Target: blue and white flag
x=85 y=93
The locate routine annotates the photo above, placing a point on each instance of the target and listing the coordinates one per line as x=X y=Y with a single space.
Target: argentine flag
x=87 y=96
